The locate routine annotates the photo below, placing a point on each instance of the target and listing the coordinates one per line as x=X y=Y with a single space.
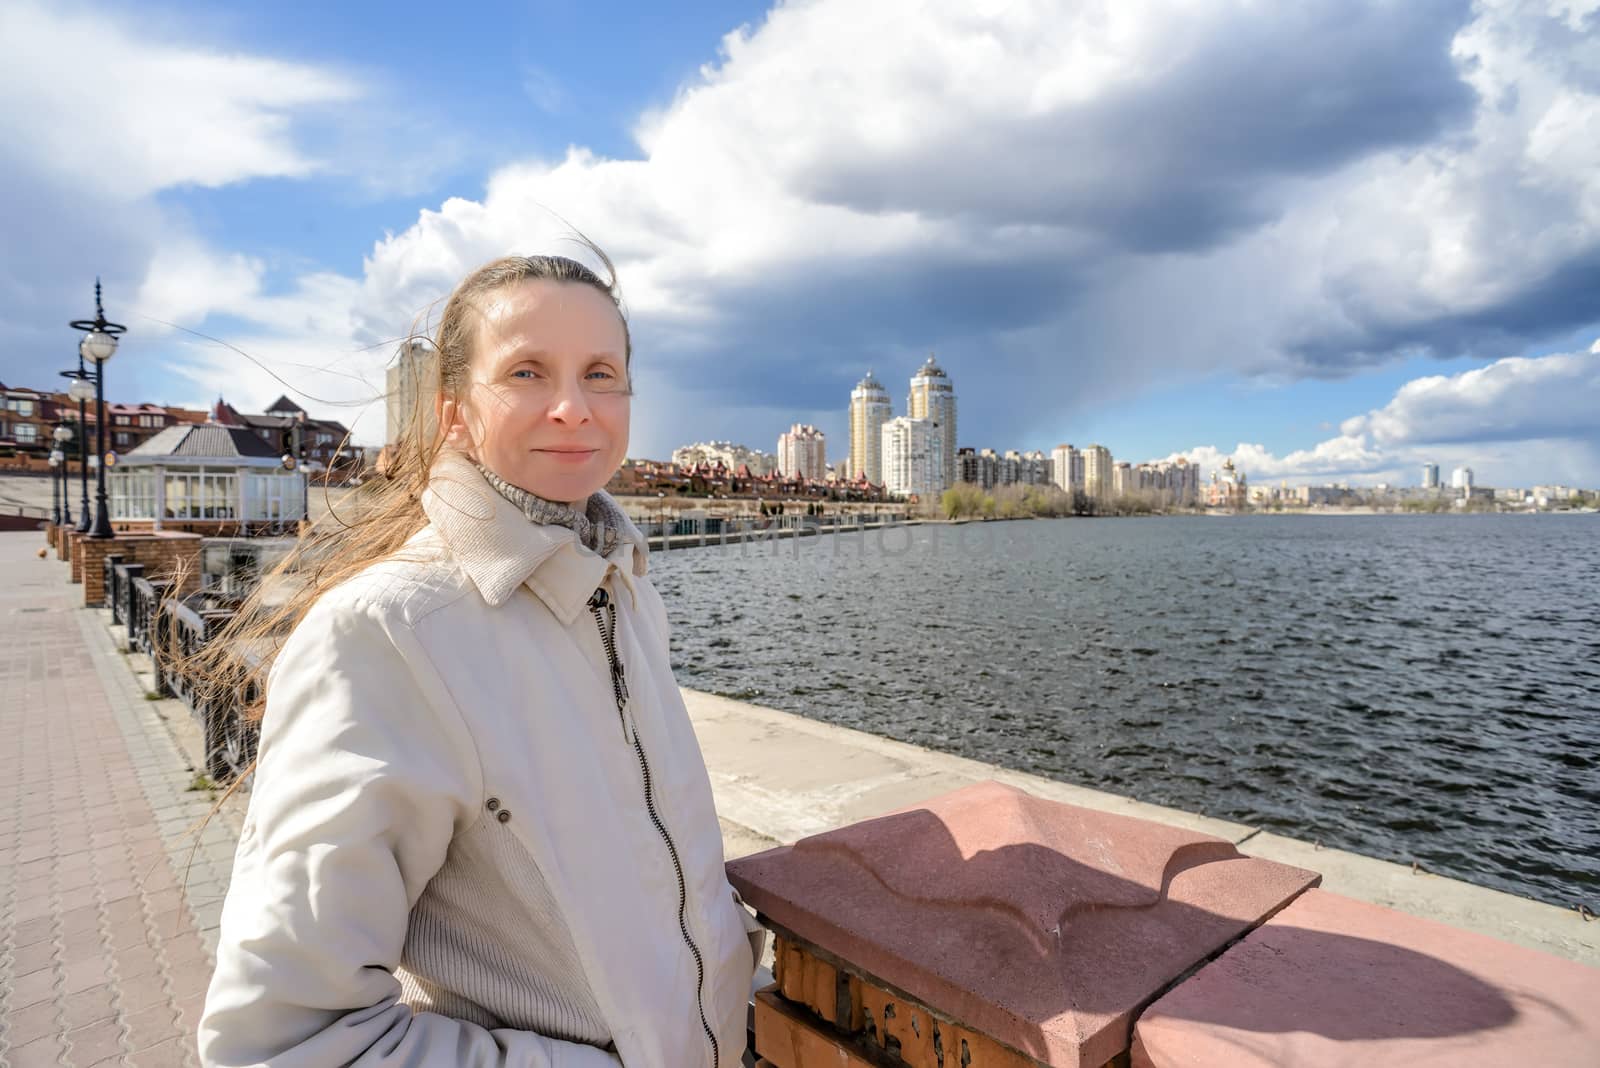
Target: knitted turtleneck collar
x=598 y=525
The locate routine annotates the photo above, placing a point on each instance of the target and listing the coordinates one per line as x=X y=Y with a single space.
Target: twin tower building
x=914 y=453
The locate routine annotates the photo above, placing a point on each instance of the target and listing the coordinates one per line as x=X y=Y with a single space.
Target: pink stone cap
x=1333 y=981
x=1042 y=924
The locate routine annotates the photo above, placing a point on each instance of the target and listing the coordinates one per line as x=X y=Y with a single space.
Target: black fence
x=180 y=631
x=171 y=630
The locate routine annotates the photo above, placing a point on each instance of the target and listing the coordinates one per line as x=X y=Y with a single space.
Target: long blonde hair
x=388 y=509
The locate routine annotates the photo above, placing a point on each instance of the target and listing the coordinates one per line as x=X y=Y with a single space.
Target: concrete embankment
x=778 y=777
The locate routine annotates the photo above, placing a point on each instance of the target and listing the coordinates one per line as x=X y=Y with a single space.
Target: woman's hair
x=374 y=521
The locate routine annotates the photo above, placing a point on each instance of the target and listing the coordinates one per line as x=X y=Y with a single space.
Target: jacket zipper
x=601 y=601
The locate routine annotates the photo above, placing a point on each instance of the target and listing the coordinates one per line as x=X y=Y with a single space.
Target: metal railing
x=144 y=605
x=119 y=595
x=182 y=630
x=108 y=578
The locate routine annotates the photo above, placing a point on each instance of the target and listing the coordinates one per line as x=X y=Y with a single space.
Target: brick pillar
x=990 y=929
x=163 y=556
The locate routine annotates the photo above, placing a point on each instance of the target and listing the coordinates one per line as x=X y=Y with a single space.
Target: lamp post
x=55 y=487
x=99 y=344
x=63 y=434
x=661 y=515
x=300 y=458
x=82 y=391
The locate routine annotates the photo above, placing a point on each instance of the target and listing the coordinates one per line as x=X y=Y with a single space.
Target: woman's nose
x=569 y=405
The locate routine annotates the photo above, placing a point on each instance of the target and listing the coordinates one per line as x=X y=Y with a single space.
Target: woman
x=480 y=830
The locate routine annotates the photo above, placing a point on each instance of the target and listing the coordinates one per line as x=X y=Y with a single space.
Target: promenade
x=109 y=905
x=104 y=955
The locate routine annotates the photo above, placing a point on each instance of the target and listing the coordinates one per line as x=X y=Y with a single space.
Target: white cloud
x=1520 y=420
x=103 y=108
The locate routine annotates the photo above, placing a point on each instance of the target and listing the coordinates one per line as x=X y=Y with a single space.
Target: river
x=1416 y=688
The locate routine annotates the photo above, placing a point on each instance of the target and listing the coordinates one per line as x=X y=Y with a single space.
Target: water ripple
x=1415 y=688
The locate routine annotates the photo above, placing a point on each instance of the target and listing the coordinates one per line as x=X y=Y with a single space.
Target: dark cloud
x=1187 y=156
x=805 y=338
x=1550 y=306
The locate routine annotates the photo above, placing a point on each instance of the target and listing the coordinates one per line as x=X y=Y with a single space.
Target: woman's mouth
x=566 y=454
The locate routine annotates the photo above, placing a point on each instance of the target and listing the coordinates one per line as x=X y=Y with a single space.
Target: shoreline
x=778 y=776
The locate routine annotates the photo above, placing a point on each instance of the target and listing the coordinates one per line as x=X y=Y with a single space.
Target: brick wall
x=163 y=556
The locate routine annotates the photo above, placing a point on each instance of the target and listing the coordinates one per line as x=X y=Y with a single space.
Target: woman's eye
x=602 y=374
x=523 y=373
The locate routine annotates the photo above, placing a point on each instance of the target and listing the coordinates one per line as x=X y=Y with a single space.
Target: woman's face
x=546 y=401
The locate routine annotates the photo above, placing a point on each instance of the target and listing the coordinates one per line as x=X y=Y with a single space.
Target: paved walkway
x=104 y=952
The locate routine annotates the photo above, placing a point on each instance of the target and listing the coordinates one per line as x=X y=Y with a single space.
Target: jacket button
x=494 y=803
x=504 y=816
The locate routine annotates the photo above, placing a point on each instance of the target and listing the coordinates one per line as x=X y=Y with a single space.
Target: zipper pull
x=619 y=679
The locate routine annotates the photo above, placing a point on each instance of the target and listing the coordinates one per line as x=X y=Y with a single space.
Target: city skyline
x=1322 y=267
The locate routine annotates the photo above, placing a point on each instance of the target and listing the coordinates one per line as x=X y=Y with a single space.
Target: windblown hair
x=387 y=509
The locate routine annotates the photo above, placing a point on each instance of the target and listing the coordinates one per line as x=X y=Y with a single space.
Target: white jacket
x=449 y=826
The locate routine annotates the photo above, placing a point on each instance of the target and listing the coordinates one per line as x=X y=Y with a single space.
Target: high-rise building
x=1123 y=481
x=1097 y=472
x=869 y=410
x=1170 y=483
x=802 y=451
x=933 y=397
x=1430 y=476
x=978 y=467
x=1066 y=468
x=1461 y=478
x=1036 y=468
x=912 y=460
x=402 y=381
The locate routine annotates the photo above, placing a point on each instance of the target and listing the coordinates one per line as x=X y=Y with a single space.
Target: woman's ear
x=452 y=420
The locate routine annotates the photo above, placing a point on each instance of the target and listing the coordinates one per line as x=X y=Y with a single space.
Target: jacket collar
x=500 y=549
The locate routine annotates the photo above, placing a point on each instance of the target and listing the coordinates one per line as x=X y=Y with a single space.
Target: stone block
x=1335 y=981
x=1042 y=925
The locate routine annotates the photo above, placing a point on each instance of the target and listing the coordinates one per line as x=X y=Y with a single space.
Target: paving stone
x=152 y=1026
x=89 y=1006
x=95 y=1042
x=173 y=1053
x=31 y=958
x=34 y=987
x=35 y=1021
x=40 y=1053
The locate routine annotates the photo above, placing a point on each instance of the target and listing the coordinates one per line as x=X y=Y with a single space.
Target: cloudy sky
x=1333 y=239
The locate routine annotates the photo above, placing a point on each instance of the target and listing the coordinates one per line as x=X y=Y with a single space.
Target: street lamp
x=661 y=515
x=99 y=343
x=63 y=434
x=82 y=391
x=55 y=487
x=300 y=456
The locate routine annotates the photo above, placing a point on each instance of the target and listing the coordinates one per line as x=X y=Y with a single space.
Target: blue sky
x=1330 y=240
